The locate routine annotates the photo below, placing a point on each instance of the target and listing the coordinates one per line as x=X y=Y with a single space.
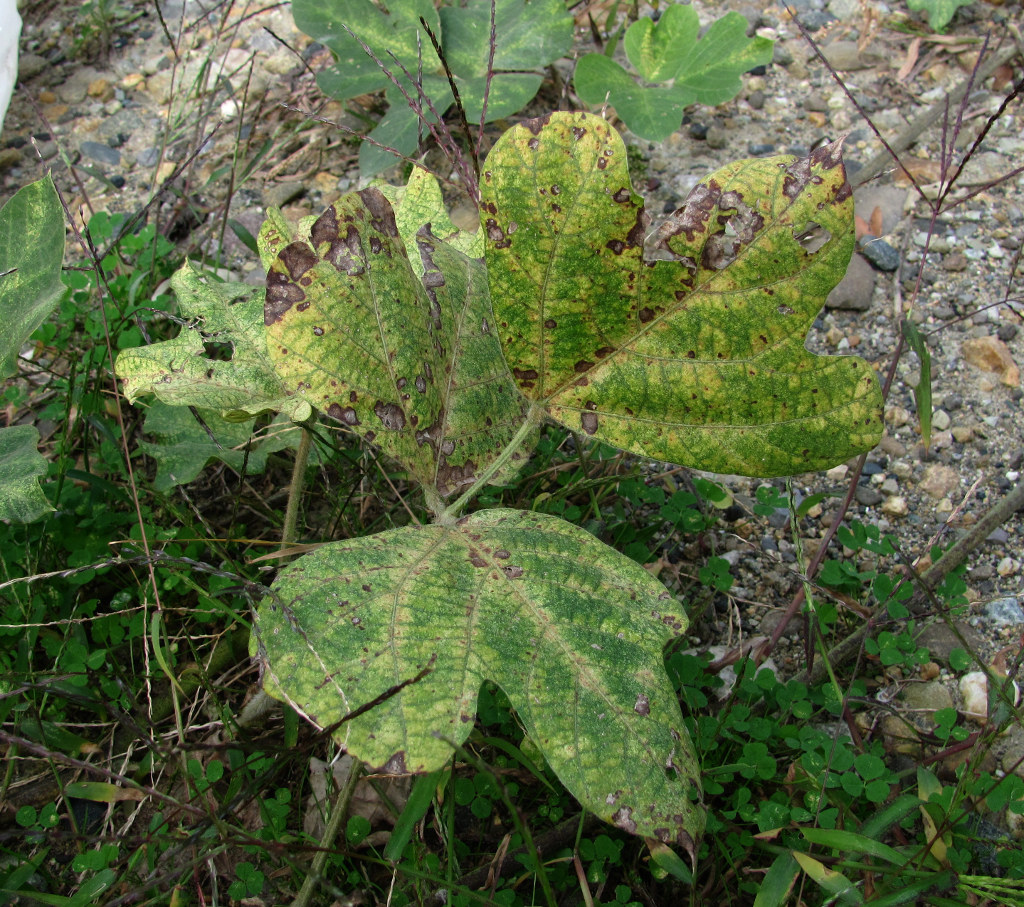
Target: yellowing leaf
x=407 y=359
x=412 y=621
x=693 y=354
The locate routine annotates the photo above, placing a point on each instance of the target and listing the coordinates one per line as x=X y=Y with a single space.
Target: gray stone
x=101 y=153
x=877 y=251
x=30 y=65
x=868 y=496
x=1005 y=611
x=716 y=137
x=984 y=167
x=844 y=9
x=815 y=102
x=940 y=640
x=845 y=55
x=147 y=157
x=890 y=200
x=929 y=697
x=854 y=291
x=277 y=195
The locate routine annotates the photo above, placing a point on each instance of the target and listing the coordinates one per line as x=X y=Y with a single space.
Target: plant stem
x=291 y=513
x=338 y=814
x=534 y=417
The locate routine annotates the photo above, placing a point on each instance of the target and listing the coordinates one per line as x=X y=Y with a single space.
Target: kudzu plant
x=402 y=59
x=673 y=69
x=447 y=351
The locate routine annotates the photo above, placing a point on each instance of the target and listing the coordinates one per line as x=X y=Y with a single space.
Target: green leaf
x=31 y=256
x=777 y=882
x=181 y=372
x=853 y=843
x=833 y=882
x=337 y=24
x=696 y=357
x=713 y=72
x=21 y=464
x=653 y=113
x=530 y=35
x=940 y=12
x=401 y=128
x=659 y=50
x=415 y=619
x=684 y=70
x=923 y=390
x=410 y=364
x=182 y=447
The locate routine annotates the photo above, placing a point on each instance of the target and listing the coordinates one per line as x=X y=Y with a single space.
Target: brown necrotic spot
x=319 y=331
x=642 y=706
x=447 y=447
x=421 y=384
x=602 y=163
x=536 y=124
x=588 y=421
x=502 y=554
x=526 y=374
x=512 y=571
x=784 y=310
x=375 y=245
x=533 y=144
x=622 y=196
x=556 y=190
x=557 y=208
x=475 y=559
x=623 y=819
x=578 y=132
x=583 y=365
x=616 y=245
x=603 y=351
x=395 y=765
x=390 y=415
x=645 y=315
x=383 y=218
x=550 y=324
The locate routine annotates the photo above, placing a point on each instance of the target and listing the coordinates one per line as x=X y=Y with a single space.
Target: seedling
x=380 y=317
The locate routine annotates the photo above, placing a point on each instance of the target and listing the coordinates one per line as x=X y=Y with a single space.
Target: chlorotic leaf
x=409 y=360
x=694 y=354
x=419 y=204
x=21 y=465
x=413 y=620
x=219 y=358
x=31 y=256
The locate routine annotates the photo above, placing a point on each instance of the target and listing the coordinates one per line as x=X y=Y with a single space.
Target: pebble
x=716 y=137
x=877 y=251
x=940 y=419
x=939 y=481
x=846 y=56
x=868 y=496
x=1007 y=567
x=104 y=154
x=147 y=157
x=974 y=692
x=1005 y=611
x=895 y=506
x=854 y=291
x=991 y=354
x=30 y=65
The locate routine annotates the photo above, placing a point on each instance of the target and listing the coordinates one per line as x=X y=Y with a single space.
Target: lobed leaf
x=182 y=447
x=684 y=70
x=408 y=361
x=21 y=465
x=31 y=257
x=696 y=355
x=415 y=619
x=223 y=318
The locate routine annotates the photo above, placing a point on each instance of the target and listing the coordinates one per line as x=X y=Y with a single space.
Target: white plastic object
x=10 y=32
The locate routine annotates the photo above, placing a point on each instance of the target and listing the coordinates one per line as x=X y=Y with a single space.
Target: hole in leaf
x=812 y=237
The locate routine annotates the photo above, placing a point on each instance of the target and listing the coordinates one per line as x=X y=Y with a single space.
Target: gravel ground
x=130 y=124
